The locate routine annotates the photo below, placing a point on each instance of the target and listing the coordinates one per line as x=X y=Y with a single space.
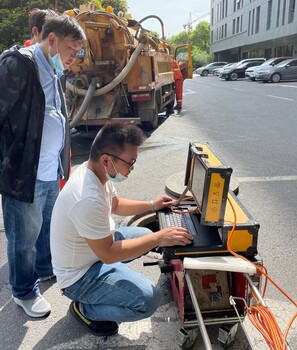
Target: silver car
x=208 y=69
x=286 y=70
x=252 y=71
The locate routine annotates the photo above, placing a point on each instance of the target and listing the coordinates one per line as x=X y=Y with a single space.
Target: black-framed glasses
x=129 y=163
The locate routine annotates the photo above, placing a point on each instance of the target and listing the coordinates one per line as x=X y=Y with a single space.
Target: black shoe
x=177 y=107
x=99 y=328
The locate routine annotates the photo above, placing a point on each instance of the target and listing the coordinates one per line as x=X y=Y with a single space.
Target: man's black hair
x=37 y=17
x=113 y=137
x=62 y=26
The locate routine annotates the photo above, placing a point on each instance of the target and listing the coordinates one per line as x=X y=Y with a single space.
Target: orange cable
x=260 y=316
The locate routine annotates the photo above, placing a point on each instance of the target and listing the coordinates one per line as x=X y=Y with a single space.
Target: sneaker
x=99 y=328
x=177 y=107
x=46 y=278
x=35 y=307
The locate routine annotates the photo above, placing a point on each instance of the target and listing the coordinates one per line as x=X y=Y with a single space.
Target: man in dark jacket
x=34 y=153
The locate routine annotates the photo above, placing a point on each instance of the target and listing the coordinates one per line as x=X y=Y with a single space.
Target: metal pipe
x=202 y=327
x=255 y=290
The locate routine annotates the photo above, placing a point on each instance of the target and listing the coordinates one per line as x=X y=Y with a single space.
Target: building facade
x=252 y=28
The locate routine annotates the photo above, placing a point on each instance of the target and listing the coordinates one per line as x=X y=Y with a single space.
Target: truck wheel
x=154 y=122
x=204 y=73
x=169 y=108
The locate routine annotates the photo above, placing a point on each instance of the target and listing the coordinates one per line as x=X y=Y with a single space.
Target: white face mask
x=118 y=177
x=56 y=63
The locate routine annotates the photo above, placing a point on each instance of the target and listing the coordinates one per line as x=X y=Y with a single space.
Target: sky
x=174 y=13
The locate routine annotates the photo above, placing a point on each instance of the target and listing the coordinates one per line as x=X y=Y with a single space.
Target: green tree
x=200 y=58
x=179 y=39
x=199 y=37
x=117 y=5
x=14 y=27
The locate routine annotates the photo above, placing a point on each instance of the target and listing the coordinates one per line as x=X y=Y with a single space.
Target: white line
x=289 y=86
x=267 y=178
x=281 y=98
x=189 y=92
x=237 y=89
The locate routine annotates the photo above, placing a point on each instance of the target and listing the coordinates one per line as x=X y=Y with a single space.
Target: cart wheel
x=186 y=339
x=227 y=334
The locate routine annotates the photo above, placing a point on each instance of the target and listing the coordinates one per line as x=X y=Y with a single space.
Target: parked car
x=285 y=70
x=217 y=71
x=252 y=71
x=208 y=69
x=238 y=70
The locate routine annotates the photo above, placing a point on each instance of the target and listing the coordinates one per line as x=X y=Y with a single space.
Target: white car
x=208 y=69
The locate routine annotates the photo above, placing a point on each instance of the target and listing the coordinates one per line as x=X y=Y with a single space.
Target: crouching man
x=88 y=250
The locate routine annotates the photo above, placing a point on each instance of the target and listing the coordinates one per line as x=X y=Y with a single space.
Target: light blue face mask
x=56 y=63
x=118 y=177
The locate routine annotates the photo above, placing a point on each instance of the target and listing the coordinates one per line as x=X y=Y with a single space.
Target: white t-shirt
x=82 y=210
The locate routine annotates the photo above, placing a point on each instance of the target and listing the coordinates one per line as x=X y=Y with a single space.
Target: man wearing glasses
x=88 y=250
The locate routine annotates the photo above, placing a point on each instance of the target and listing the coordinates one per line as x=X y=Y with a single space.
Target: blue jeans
x=114 y=292
x=27 y=228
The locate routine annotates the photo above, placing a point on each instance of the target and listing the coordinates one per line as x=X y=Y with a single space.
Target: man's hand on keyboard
x=171 y=236
x=163 y=202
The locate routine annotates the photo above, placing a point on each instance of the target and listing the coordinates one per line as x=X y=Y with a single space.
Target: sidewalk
x=163 y=154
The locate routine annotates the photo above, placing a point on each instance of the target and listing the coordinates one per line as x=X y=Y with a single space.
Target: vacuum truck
x=123 y=72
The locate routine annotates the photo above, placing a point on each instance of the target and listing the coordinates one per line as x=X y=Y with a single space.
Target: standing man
x=88 y=249
x=178 y=79
x=37 y=18
x=34 y=153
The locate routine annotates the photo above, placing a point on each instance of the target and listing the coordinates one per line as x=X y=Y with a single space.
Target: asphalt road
x=252 y=126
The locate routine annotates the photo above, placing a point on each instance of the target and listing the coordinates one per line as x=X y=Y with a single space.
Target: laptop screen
x=197 y=182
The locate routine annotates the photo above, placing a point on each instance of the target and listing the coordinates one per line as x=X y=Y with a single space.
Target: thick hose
x=84 y=105
x=105 y=89
x=159 y=19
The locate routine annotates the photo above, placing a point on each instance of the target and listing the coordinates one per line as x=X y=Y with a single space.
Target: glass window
x=291 y=11
x=269 y=12
x=257 y=20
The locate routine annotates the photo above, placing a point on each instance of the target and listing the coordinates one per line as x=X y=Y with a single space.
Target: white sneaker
x=35 y=307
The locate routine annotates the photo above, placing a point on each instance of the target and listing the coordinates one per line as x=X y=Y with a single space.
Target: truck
x=122 y=72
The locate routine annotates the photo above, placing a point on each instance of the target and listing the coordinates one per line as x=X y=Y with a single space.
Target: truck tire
x=154 y=122
x=169 y=108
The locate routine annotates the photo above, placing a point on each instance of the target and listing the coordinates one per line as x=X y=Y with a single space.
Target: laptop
x=205 y=238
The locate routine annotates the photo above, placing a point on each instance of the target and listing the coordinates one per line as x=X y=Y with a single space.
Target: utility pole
x=56 y=5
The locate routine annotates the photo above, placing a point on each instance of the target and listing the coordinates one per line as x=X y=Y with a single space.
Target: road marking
x=215 y=85
x=281 y=98
x=189 y=92
x=266 y=178
x=289 y=86
x=237 y=89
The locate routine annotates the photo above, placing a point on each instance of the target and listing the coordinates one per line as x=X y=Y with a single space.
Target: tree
x=200 y=36
x=179 y=39
x=117 y=5
x=14 y=27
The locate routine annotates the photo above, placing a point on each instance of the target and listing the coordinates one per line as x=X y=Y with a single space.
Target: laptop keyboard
x=180 y=220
